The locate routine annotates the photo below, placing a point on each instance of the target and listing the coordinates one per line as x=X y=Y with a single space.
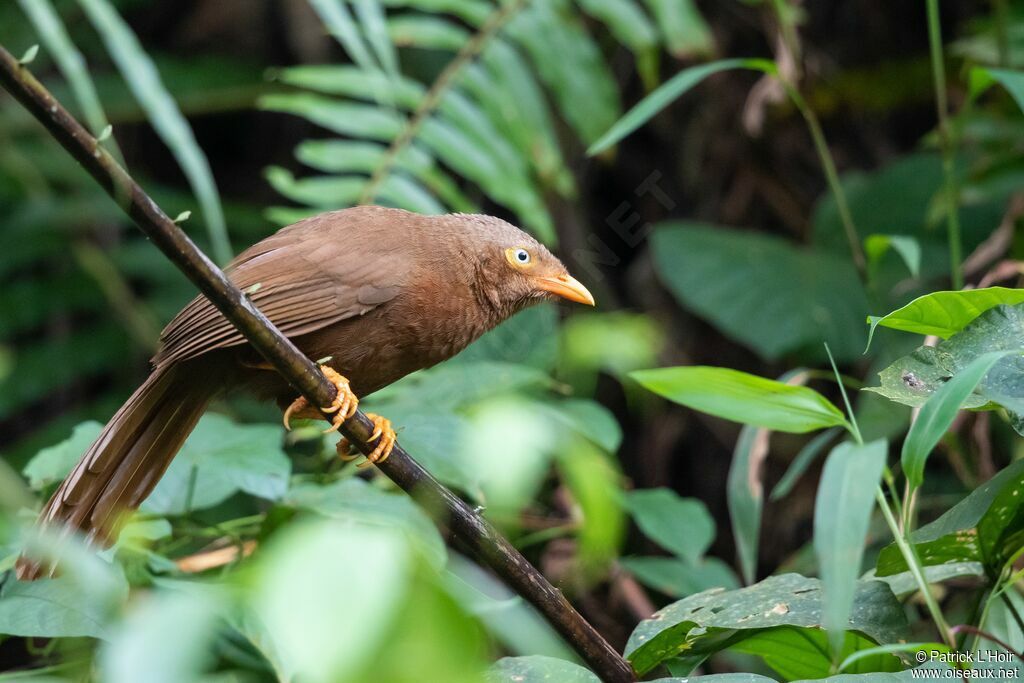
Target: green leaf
x=745 y=496
x=355 y=501
x=908 y=248
x=538 y=669
x=144 y=81
x=69 y=59
x=570 y=64
x=802 y=653
x=683 y=27
x=217 y=460
x=943 y=314
x=802 y=461
x=740 y=397
x=842 y=511
x=336 y=17
x=905 y=583
x=626 y=21
x=304 y=613
x=722 y=274
x=374 y=25
x=708 y=622
x=50 y=465
x=347 y=118
x=138 y=644
x=678 y=578
x=981 y=78
x=667 y=93
x=594 y=481
x=937 y=415
x=914 y=378
x=680 y=525
x=52 y=608
x=954 y=537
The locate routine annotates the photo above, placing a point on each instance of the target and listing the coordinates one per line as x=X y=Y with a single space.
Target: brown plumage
x=382 y=292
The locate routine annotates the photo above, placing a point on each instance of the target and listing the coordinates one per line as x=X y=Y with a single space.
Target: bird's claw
x=344 y=406
x=385 y=435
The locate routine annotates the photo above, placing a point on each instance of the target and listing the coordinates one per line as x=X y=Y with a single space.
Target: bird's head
x=514 y=270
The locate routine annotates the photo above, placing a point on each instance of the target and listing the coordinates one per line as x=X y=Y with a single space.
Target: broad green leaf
x=802 y=653
x=680 y=525
x=667 y=93
x=138 y=644
x=914 y=378
x=306 y=608
x=513 y=622
x=860 y=656
x=905 y=583
x=356 y=502
x=908 y=249
x=594 y=480
x=982 y=78
x=683 y=27
x=678 y=578
x=703 y=624
x=722 y=274
x=1001 y=529
x=51 y=465
x=937 y=415
x=590 y=420
x=83 y=601
x=740 y=397
x=943 y=314
x=802 y=461
x=842 y=512
x=529 y=338
x=538 y=669
x=53 y=608
x=144 y=81
x=954 y=537
x=217 y=460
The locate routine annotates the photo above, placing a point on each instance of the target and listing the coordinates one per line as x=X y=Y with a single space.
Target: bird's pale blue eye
x=521 y=256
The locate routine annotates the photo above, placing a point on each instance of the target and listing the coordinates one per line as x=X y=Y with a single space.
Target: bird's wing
x=303 y=278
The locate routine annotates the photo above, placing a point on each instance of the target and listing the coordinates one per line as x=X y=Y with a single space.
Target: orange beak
x=567 y=287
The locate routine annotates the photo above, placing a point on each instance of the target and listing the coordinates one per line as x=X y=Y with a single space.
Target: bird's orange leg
x=383 y=432
x=344 y=406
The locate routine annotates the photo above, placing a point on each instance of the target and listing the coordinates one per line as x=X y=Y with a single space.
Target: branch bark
x=448 y=510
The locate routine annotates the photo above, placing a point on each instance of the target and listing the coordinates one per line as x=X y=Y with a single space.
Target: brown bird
x=378 y=292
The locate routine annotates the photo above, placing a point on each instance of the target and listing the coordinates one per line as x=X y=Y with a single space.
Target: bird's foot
x=383 y=432
x=344 y=406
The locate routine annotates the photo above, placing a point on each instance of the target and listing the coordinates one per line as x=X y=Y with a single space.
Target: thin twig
x=448 y=510
x=432 y=99
x=952 y=192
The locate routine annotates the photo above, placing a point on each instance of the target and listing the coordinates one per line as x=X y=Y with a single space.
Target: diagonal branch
x=450 y=511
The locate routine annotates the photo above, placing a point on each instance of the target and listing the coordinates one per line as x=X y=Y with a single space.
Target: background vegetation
x=738 y=183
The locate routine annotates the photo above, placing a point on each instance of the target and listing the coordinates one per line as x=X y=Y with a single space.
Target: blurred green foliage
x=261 y=557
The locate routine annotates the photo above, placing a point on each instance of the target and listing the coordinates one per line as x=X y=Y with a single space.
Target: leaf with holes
x=983 y=527
x=708 y=622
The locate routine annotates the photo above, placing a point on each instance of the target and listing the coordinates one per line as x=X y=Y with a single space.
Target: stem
x=447 y=509
x=914 y=565
x=1001 y=10
x=470 y=51
x=946 y=144
x=828 y=164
